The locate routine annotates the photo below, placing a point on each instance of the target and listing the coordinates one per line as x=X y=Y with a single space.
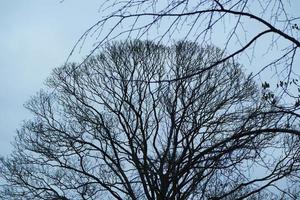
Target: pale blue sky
x=35 y=37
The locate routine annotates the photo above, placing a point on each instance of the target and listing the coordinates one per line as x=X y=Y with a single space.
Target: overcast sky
x=35 y=37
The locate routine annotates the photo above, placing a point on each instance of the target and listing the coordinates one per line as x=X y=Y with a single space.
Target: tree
x=265 y=32
x=115 y=129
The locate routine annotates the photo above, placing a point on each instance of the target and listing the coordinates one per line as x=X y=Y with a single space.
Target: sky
x=35 y=37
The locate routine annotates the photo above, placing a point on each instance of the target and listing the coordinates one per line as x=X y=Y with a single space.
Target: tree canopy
x=118 y=127
x=262 y=34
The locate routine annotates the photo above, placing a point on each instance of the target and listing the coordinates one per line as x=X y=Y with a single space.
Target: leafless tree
x=115 y=128
x=265 y=32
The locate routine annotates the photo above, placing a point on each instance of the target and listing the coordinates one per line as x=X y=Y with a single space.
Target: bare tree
x=264 y=32
x=116 y=129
